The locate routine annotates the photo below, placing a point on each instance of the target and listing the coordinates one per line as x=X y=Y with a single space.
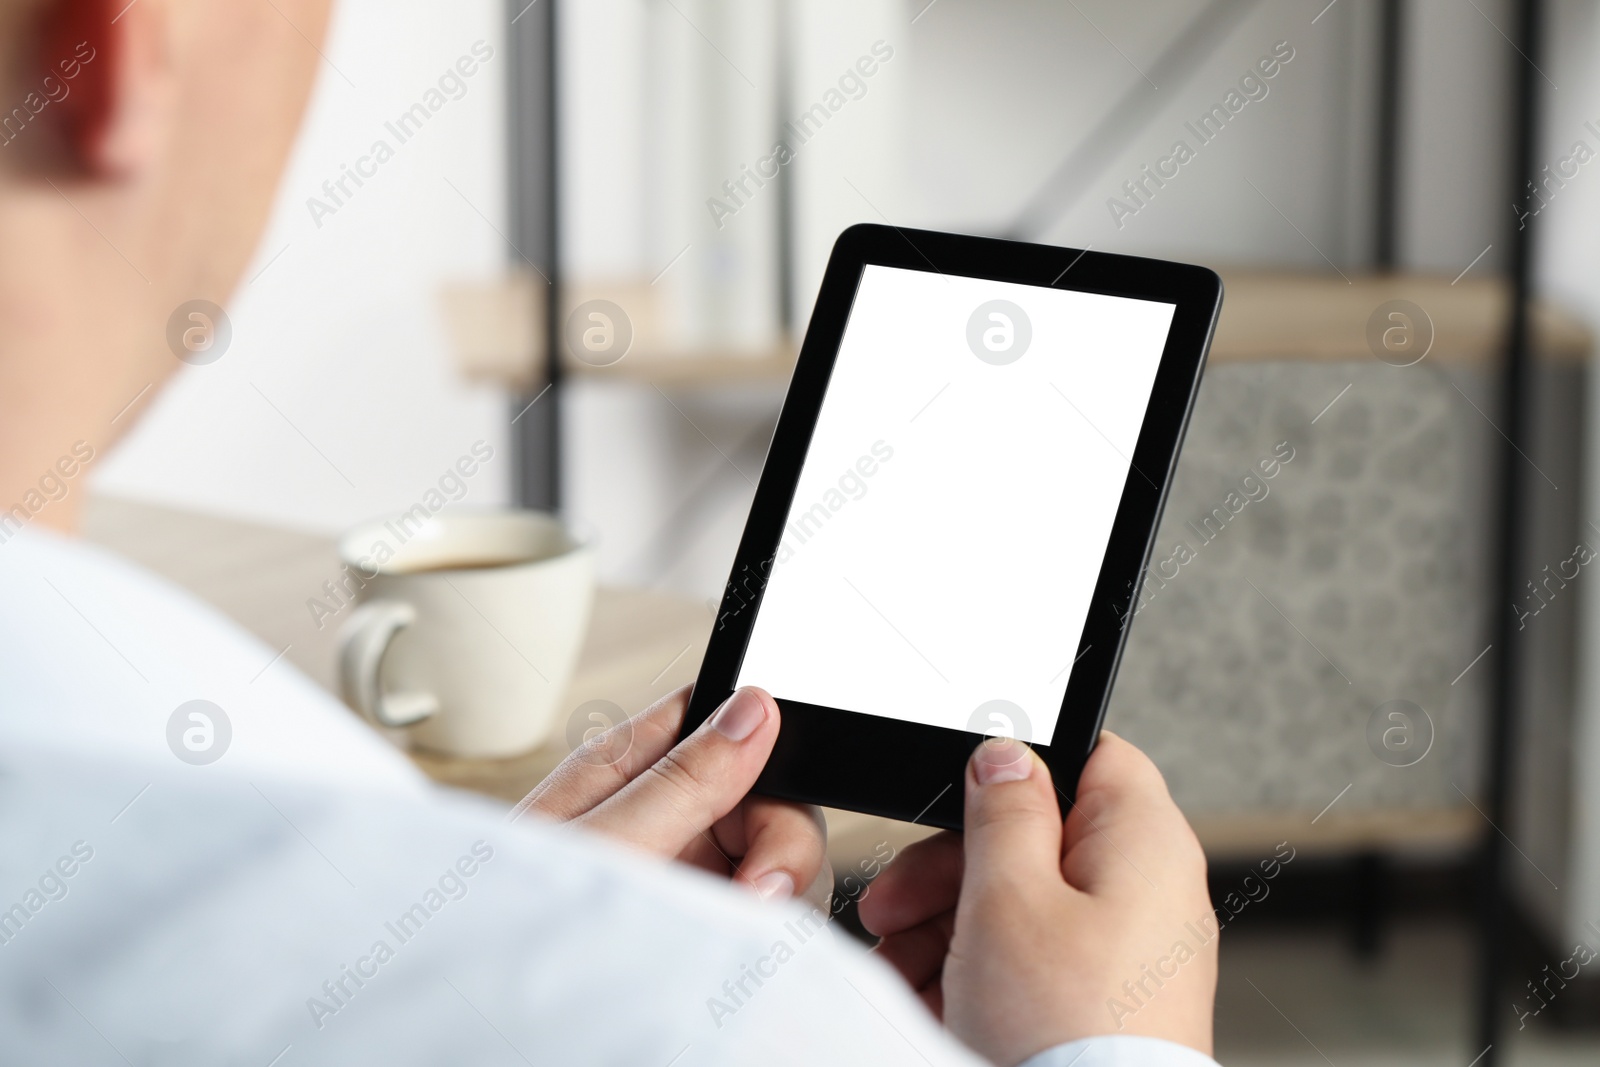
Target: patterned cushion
x=1300 y=604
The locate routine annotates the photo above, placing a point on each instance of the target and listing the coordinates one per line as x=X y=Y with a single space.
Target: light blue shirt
x=307 y=898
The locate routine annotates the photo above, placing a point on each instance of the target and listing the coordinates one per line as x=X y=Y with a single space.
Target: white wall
x=340 y=328
x=1034 y=78
x=958 y=130
x=1455 y=135
x=341 y=331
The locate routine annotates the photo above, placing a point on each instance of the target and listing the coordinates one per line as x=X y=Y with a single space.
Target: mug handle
x=363 y=642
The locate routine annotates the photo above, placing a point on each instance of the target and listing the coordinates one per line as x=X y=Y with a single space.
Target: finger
x=608 y=761
x=681 y=795
x=922 y=881
x=1012 y=835
x=1124 y=828
x=919 y=953
x=707 y=854
x=786 y=845
x=820 y=894
x=1118 y=779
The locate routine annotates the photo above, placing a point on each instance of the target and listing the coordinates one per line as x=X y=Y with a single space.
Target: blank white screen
x=952 y=515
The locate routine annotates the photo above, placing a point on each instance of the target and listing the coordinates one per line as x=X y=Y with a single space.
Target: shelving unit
x=1488 y=324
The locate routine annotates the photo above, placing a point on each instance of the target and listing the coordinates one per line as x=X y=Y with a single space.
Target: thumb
x=697 y=782
x=1013 y=822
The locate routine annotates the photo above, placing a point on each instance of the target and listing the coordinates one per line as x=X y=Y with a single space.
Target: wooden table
x=642 y=644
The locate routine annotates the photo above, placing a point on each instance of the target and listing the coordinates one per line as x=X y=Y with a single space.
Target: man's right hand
x=1024 y=933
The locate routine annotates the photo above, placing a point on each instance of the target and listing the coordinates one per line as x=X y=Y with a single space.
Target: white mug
x=469 y=626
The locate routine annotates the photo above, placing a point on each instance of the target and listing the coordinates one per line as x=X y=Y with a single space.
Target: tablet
x=956 y=509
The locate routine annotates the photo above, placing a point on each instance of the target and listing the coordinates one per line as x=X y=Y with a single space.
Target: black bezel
x=907 y=771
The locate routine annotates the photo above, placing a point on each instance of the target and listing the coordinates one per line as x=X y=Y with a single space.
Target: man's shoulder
x=409 y=929
x=99 y=655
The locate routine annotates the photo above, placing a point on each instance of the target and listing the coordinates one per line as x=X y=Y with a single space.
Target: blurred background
x=1315 y=674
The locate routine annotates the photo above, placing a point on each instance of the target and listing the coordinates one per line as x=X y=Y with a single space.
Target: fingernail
x=774 y=885
x=739 y=715
x=1000 y=759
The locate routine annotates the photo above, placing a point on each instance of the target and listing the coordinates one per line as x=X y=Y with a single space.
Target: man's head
x=140 y=144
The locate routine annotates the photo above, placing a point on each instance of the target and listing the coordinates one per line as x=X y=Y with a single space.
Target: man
x=311 y=898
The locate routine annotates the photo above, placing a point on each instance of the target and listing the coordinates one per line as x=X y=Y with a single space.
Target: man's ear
x=105 y=68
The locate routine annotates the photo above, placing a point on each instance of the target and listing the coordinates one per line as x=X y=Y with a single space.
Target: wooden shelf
x=681 y=370
x=1244 y=835
x=1247 y=834
x=1276 y=316
x=1318 y=317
